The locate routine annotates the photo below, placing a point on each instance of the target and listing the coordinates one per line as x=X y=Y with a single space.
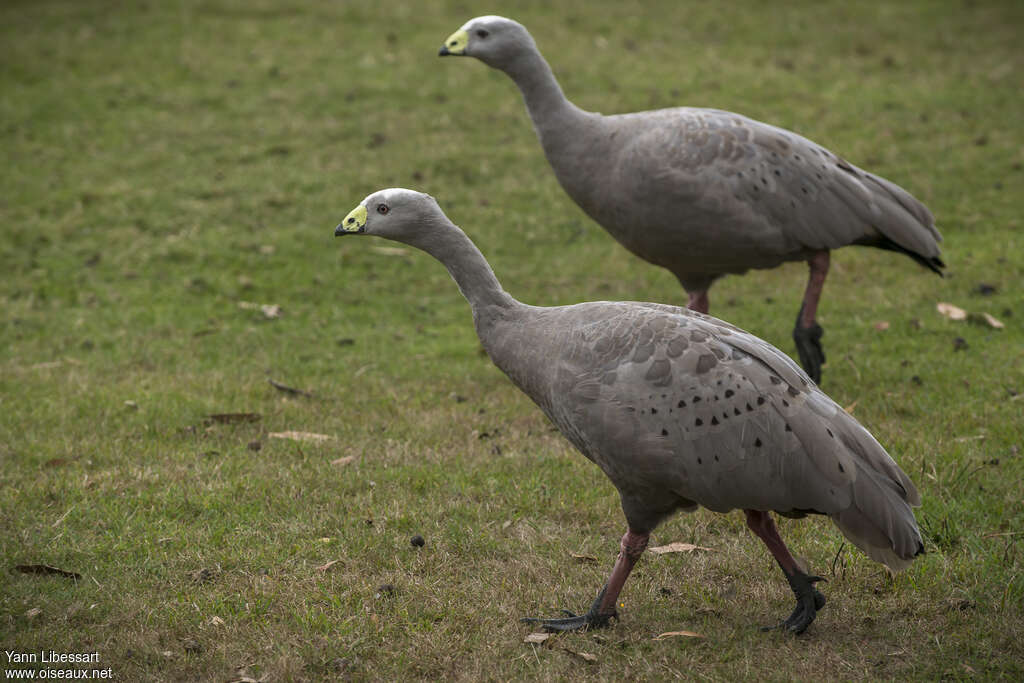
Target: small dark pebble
x=417 y=541
x=192 y=647
x=916 y=380
x=386 y=590
x=346 y=341
x=255 y=445
x=665 y=591
x=985 y=289
x=960 y=344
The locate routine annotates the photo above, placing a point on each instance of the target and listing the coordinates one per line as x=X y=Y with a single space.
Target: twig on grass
x=289 y=390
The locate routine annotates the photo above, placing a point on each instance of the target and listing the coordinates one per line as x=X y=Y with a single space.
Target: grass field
x=168 y=165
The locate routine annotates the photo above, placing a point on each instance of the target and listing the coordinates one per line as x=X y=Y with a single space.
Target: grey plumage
x=703 y=192
x=679 y=409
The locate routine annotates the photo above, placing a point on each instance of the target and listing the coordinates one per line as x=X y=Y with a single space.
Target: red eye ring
x=382 y=208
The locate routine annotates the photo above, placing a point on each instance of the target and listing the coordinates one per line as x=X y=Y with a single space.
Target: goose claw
x=808 y=346
x=809 y=601
x=593 y=619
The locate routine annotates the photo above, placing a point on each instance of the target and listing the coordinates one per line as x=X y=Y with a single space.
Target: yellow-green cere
x=355 y=220
x=457 y=42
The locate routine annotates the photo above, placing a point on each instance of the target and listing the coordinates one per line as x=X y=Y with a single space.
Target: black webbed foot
x=593 y=619
x=808 y=345
x=809 y=600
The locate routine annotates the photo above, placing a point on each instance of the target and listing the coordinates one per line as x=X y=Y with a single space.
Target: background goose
x=678 y=409
x=703 y=192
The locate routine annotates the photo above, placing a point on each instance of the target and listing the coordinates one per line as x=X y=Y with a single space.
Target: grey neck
x=547 y=105
x=471 y=273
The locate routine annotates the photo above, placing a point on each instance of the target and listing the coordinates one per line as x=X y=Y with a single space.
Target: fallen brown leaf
x=881 y=325
x=677 y=548
x=536 y=638
x=216 y=621
x=950 y=311
x=46 y=569
x=343 y=461
x=582 y=558
x=327 y=565
x=33 y=613
x=289 y=390
x=269 y=311
x=585 y=656
x=299 y=436
x=964 y=439
x=677 y=634
x=229 y=418
x=985 y=319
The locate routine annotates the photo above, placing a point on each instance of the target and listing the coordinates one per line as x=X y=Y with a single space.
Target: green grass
x=165 y=161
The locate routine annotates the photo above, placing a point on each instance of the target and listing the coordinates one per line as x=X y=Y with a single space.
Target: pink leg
x=699 y=301
x=630 y=550
x=762 y=524
x=603 y=608
x=808 y=599
x=818 y=264
x=807 y=333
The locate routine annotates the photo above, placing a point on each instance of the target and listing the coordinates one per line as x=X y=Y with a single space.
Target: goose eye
x=481 y=33
x=382 y=208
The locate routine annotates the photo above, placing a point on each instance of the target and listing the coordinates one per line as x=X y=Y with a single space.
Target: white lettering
x=21 y=657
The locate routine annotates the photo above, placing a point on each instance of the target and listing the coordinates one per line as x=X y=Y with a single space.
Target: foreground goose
x=679 y=409
x=703 y=192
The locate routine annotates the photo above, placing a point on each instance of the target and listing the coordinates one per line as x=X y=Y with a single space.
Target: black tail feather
x=933 y=263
